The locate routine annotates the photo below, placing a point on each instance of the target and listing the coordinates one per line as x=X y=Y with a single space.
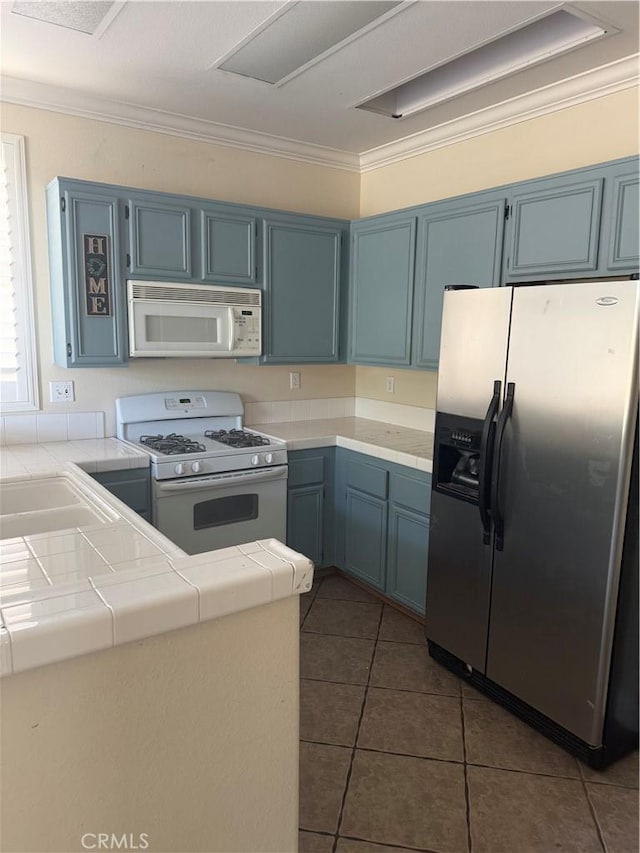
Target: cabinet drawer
x=367 y=478
x=304 y=472
x=411 y=492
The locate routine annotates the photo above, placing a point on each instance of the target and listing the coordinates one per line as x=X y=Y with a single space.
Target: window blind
x=18 y=386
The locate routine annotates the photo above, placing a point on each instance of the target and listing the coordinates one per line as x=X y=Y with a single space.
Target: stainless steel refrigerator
x=532 y=579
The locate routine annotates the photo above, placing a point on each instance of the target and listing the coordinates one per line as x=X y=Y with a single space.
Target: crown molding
x=29 y=93
x=588 y=86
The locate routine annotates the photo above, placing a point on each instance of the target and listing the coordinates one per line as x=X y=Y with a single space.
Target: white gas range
x=214 y=484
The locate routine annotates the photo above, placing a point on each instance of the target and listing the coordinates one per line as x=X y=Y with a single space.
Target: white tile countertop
x=411 y=447
x=82 y=589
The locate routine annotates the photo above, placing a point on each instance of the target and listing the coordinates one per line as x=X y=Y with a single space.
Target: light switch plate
x=61 y=392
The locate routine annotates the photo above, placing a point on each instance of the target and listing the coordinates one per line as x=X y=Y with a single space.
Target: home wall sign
x=97 y=275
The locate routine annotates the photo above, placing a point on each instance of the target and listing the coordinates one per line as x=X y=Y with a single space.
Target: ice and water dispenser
x=457 y=456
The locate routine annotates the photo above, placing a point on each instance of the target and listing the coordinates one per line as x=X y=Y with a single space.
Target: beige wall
x=600 y=130
x=411 y=387
x=73 y=147
x=190 y=736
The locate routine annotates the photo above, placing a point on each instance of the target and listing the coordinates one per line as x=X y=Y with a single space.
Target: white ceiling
x=154 y=63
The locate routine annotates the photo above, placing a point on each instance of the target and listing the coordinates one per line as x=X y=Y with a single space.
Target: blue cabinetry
x=382 y=525
x=458 y=243
x=159 y=239
x=310 y=501
x=382 y=268
x=88 y=303
x=132 y=486
x=624 y=225
x=228 y=246
x=554 y=228
x=303 y=265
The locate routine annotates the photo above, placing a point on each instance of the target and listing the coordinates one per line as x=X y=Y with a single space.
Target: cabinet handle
x=69 y=350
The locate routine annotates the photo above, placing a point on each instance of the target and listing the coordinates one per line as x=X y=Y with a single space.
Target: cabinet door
x=305 y=521
x=228 y=247
x=407 y=557
x=553 y=231
x=623 y=239
x=88 y=300
x=459 y=244
x=382 y=291
x=302 y=282
x=365 y=537
x=159 y=239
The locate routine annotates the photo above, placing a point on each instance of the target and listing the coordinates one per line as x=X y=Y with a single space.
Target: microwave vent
x=209 y=294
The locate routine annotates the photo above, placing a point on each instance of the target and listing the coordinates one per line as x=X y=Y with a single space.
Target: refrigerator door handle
x=485 y=462
x=496 y=511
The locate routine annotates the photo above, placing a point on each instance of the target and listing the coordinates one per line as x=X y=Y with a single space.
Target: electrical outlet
x=294 y=380
x=61 y=392
x=391 y=383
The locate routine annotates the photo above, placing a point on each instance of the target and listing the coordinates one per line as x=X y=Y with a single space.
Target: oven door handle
x=226 y=480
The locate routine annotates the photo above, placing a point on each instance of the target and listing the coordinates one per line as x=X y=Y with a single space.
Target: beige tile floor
x=397 y=754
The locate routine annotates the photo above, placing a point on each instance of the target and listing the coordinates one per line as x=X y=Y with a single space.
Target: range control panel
x=184 y=404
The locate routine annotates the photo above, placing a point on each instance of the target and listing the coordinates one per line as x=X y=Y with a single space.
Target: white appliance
x=169 y=320
x=213 y=483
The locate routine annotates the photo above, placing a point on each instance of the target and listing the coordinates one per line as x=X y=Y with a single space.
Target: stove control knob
x=255 y=460
x=179 y=469
x=195 y=467
x=268 y=458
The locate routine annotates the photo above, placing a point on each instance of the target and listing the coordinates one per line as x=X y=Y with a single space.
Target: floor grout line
x=592 y=809
x=355 y=740
x=467 y=797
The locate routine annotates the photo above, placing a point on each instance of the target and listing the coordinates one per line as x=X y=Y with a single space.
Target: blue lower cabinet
x=305 y=521
x=365 y=537
x=131 y=486
x=407 y=557
x=310 y=501
x=382 y=525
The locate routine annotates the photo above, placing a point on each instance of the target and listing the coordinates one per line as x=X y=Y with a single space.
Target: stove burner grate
x=172 y=444
x=237 y=438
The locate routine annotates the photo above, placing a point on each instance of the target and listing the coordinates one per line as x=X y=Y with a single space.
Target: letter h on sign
x=97 y=277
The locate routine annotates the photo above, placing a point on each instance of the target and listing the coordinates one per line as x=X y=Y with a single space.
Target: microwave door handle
x=216 y=482
x=232 y=331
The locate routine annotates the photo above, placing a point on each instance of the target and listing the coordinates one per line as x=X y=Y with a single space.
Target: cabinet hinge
x=128 y=259
x=63 y=204
x=126 y=211
x=69 y=350
x=507 y=210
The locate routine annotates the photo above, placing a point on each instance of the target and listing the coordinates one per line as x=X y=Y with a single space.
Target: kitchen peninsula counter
x=410 y=447
x=75 y=590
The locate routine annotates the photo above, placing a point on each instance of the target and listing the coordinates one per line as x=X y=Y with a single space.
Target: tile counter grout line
x=355 y=740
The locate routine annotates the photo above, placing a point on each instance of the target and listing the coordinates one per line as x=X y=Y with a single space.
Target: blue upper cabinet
x=458 y=243
x=624 y=227
x=554 y=228
x=228 y=246
x=302 y=279
x=86 y=275
x=383 y=257
x=159 y=239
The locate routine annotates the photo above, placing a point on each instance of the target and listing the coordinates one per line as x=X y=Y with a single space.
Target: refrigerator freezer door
x=473 y=353
x=473 y=348
x=563 y=491
x=458 y=580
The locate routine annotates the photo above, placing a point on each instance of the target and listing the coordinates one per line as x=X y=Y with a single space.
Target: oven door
x=205 y=513
x=184 y=329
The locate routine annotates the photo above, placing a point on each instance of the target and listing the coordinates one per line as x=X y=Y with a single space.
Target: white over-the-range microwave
x=168 y=320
